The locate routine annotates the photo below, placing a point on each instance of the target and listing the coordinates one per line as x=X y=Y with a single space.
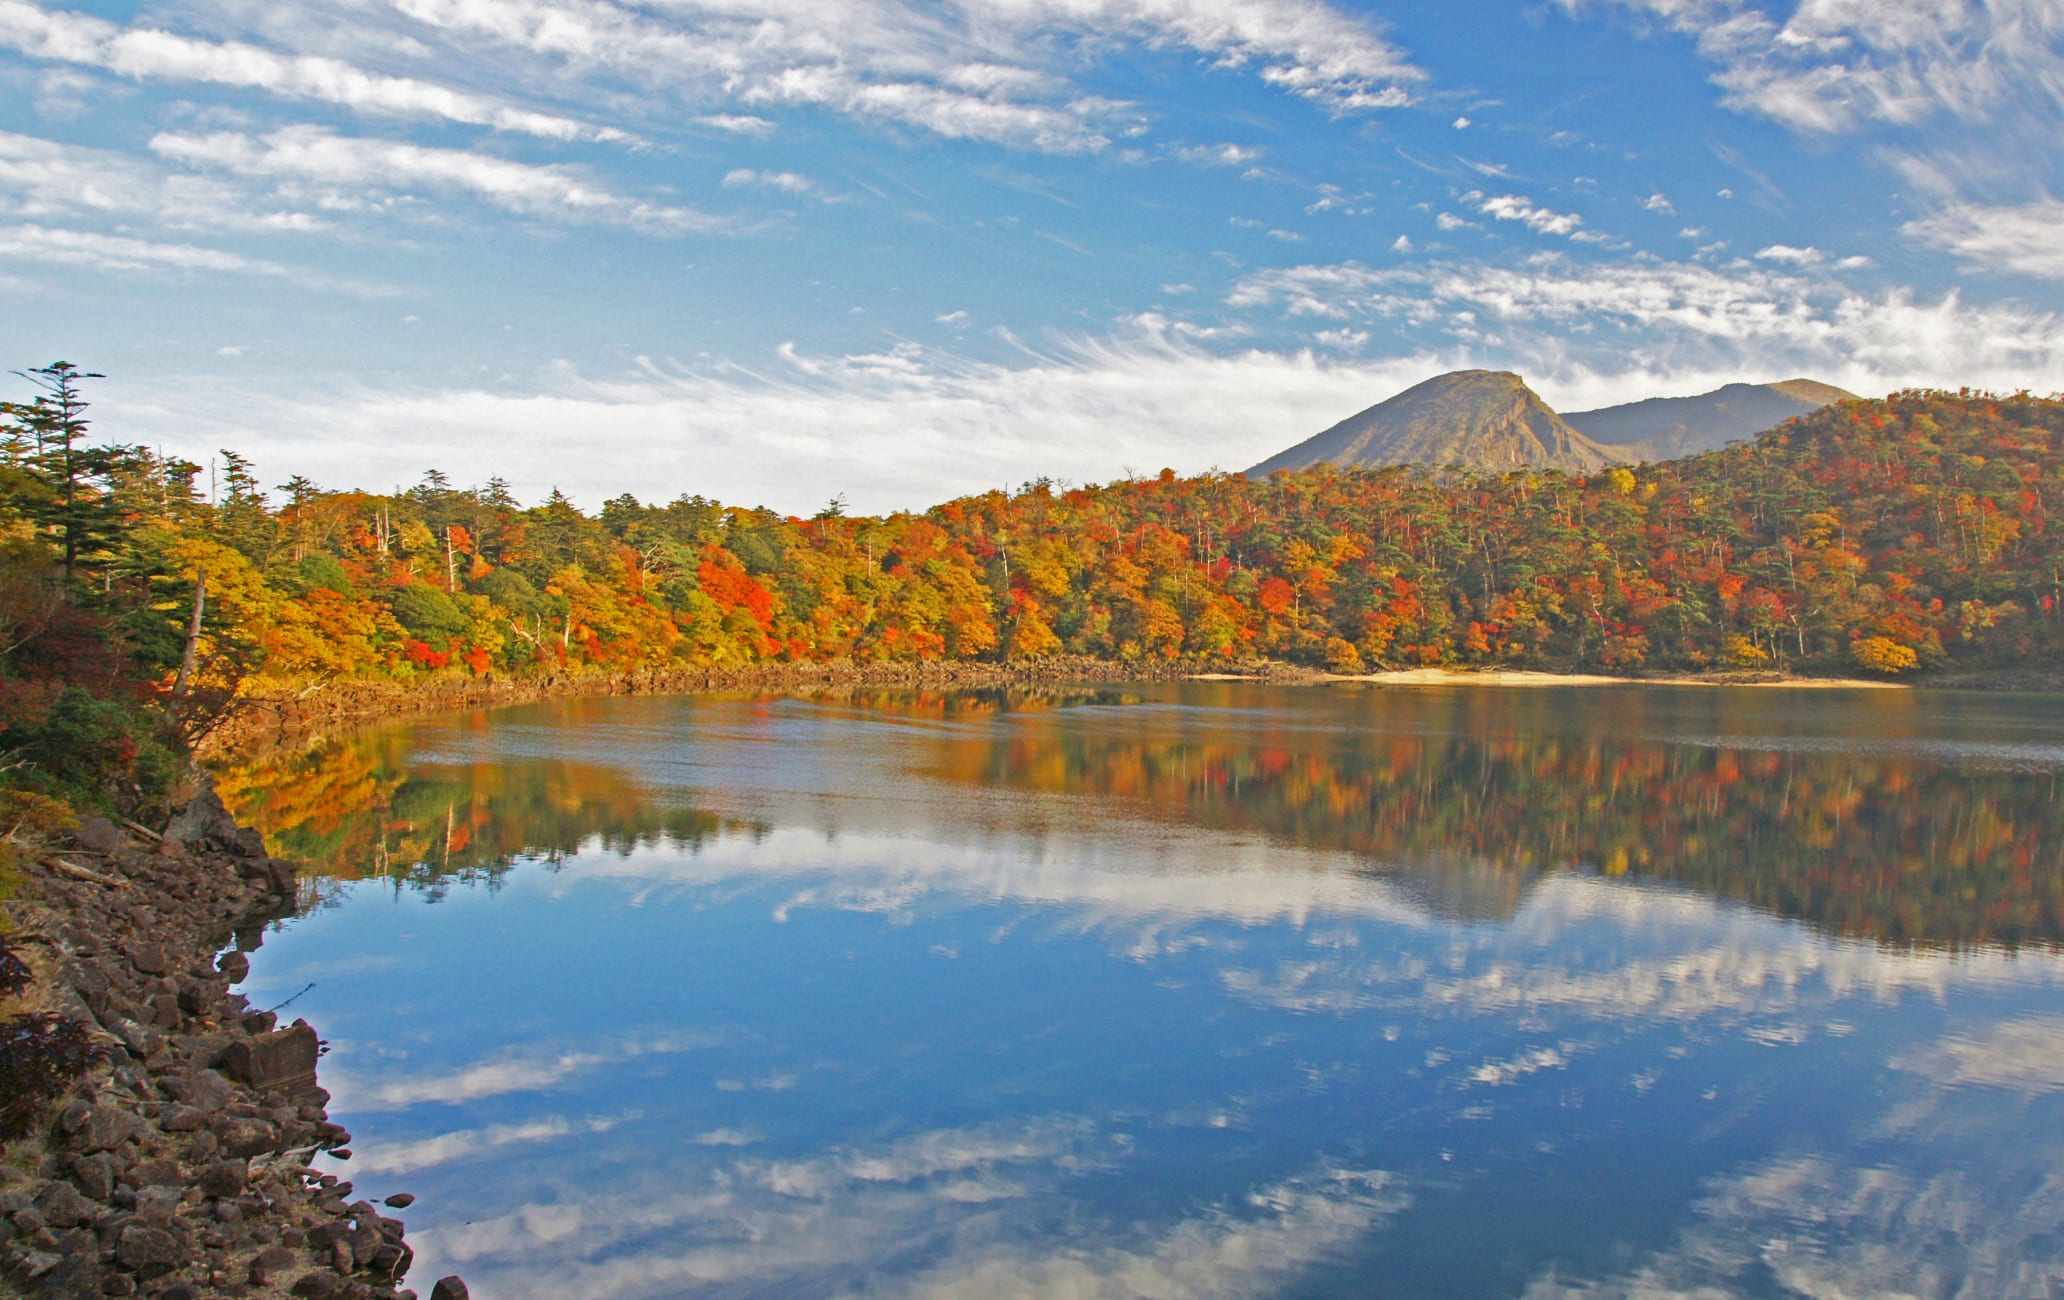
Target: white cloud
x=58 y=246
x=786 y=182
x=355 y=165
x=1462 y=124
x=737 y=123
x=41 y=179
x=1658 y=203
x=1642 y=320
x=152 y=54
x=1836 y=64
x=1513 y=207
x=469 y=1144
x=954 y=319
x=509 y=1072
x=2026 y=239
x=1788 y=255
x=897 y=429
x=996 y=71
x=1218 y=155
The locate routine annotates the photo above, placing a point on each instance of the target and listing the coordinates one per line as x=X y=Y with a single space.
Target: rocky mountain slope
x=1484 y=419
x=1664 y=428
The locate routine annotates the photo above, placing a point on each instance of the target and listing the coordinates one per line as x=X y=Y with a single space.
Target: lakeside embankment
x=179 y=1167
x=267 y=722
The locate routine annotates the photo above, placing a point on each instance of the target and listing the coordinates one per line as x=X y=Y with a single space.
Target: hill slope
x=1664 y=428
x=1483 y=419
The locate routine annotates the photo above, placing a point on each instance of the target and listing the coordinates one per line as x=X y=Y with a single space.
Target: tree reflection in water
x=1904 y=818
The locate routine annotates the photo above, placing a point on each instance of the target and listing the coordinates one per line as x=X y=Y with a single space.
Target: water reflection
x=1198 y=992
x=1897 y=817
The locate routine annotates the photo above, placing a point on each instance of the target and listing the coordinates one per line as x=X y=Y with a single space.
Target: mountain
x=1485 y=419
x=1664 y=428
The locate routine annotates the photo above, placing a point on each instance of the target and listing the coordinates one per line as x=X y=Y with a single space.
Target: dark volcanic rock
x=141 y=1183
x=282 y=1061
x=148 y=1252
x=98 y=835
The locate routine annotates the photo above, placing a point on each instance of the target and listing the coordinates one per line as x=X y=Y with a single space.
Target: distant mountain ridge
x=1664 y=428
x=1490 y=420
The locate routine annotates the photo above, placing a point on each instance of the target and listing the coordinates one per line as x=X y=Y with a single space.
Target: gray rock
x=204 y=1090
x=95 y=1175
x=269 y=1264
x=37 y=1263
x=449 y=1288
x=225 y=1178
x=157 y=1206
x=242 y=1136
x=282 y=1061
x=148 y=959
x=141 y=1040
x=156 y=1173
x=62 y=1206
x=316 y=1286
x=181 y=1119
x=148 y=1252
x=401 y=1200
x=250 y=843
x=203 y=820
x=98 y=835
x=104 y=1129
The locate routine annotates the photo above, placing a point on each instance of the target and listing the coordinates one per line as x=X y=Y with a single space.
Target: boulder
x=281 y=1061
x=244 y=1136
x=204 y=1090
x=234 y=966
x=449 y=1288
x=99 y=835
x=156 y=1173
x=148 y=1252
x=269 y=1264
x=96 y=1175
x=102 y=1128
x=62 y=1206
x=224 y=1178
x=204 y=821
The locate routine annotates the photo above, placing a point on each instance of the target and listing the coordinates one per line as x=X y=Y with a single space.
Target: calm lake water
x=1201 y=990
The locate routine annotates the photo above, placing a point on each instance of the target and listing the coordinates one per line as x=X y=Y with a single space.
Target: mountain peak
x=1484 y=419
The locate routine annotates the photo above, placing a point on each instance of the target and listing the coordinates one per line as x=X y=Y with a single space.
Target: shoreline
x=1534 y=677
x=179 y=1165
x=299 y=719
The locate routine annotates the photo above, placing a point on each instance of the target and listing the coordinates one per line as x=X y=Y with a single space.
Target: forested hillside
x=1881 y=537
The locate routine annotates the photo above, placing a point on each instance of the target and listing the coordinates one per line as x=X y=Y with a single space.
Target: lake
x=1214 y=989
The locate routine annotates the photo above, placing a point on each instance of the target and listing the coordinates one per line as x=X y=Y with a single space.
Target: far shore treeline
x=1881 y=537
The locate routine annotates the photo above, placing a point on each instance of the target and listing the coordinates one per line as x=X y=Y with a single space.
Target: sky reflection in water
x=1204 y=990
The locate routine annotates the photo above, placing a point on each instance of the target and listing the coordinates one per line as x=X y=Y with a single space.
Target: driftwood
x=77 y=872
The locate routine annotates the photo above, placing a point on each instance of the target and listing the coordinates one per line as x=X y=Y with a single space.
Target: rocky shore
x=180 y=1167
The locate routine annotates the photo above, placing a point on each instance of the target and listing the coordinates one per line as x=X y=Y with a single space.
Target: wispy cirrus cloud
x=1556 y=316
x=2019 y=239
x=146 y=53
x=59 y=246
x=322 y=158
x=43 y=179
x=1836 y=65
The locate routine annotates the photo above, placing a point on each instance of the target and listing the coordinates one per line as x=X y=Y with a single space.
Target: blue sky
x=773 y=250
